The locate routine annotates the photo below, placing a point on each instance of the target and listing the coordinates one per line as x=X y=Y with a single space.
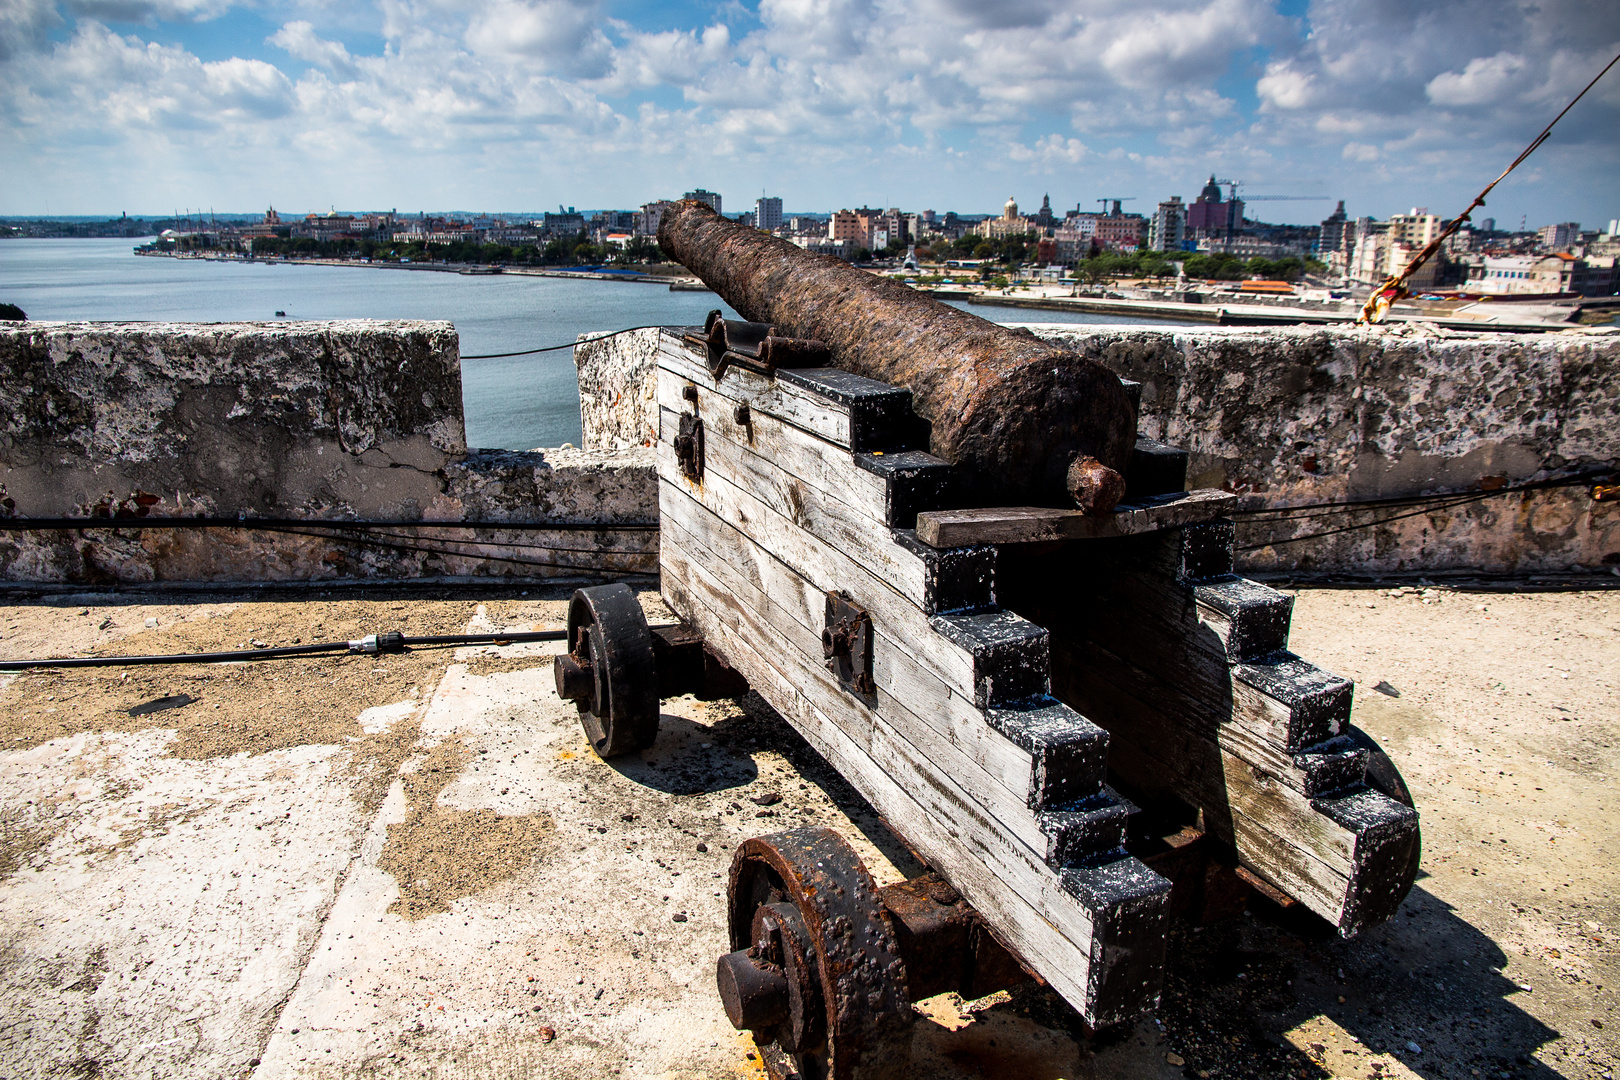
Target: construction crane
x=1116 y=202
x=1233 y=186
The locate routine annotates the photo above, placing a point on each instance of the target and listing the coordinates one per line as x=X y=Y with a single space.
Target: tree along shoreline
x=560 y=251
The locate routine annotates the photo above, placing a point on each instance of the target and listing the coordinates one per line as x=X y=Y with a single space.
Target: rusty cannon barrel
x=1025 y=422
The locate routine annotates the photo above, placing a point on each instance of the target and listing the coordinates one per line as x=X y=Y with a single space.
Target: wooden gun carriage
x=1045 y=704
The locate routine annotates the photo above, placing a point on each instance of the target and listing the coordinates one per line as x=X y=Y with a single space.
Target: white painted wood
x=774 y=397
x=930 y=712
x=779 y=447
x=1021 y=897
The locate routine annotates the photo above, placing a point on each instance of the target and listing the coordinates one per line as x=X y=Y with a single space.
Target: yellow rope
x=1393 y=289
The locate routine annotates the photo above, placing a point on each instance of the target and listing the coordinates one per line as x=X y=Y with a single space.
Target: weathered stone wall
x=1294 y=416
x=310 y=421
x=617 y=390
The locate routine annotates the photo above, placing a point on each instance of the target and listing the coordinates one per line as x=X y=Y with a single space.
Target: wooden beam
x=1037 y=524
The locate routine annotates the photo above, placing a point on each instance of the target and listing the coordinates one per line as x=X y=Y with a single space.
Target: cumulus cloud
x=500 y=95
x=24 y=24
x=300 y=39
x=561 y=35
x=1485 y=80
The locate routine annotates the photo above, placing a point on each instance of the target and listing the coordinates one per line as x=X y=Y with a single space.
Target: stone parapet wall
x=315 y=421
x=1293 y=416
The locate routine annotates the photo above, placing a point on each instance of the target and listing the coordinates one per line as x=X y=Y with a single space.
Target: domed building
x=1008 y=224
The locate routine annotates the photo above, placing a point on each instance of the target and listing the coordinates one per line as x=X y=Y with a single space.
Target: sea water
x=511 y=403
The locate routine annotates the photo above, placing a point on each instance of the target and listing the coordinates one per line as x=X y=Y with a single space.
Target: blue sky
x=147 y=106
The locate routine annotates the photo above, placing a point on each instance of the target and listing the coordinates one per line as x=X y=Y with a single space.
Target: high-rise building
x=767 y=213
x=710 y=197
x=1043 y=217
x=1560 y=236
x=1168 y=228
x=1415 y=229
x=1332 y=235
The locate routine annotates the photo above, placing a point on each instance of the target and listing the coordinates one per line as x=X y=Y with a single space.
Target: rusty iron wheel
x=815 y=971
x=609 y=672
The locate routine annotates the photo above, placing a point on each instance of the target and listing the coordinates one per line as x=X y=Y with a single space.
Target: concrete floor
x=414 y=866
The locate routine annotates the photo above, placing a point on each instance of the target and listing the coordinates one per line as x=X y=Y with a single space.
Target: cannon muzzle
x=1024 y=421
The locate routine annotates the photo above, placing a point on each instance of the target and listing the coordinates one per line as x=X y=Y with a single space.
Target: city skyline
x=916 y=103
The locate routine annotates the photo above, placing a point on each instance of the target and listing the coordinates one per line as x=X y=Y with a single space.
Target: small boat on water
x=281 y=314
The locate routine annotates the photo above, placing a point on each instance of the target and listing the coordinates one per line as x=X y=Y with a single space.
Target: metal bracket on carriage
x=846 y=643
x=756 y=346
x=689 y=445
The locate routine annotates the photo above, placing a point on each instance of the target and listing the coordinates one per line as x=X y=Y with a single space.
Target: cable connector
x=390 y=642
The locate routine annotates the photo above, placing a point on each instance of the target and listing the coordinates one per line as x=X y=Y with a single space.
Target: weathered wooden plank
x=1083 y=829
x=1052 y=922
x=1036 y=524
x=1052 y=756
x=780 y=444
x=1255 y=795
x=825 y=490
x=814 y=544
x=1218 y=640
x=880 y=415
x=847 y=410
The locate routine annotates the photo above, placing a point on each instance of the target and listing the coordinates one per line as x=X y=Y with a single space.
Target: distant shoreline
x=676 y=284
x=1215 y=313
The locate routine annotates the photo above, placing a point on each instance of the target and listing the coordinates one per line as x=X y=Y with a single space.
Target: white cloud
x=300 y=39
x=563 y=36
x=830 y=98
x=1484 y=81
x=1284 y=88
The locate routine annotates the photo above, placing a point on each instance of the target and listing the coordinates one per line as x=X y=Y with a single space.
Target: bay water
x=511 y=403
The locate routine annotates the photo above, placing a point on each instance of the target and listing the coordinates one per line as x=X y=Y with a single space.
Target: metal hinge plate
x=846 y=643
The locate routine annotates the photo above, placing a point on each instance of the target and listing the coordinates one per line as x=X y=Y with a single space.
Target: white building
x=1560 y=272
x=710 y=197
x=1416 y=229
x=650 y=214
x=1168 y=228
x=1559 y=237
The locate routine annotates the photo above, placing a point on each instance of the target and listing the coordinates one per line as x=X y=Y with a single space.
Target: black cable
x=1479 y=497
x=51 y=524
x=503 y=543
x=420 y=550
x=375 y=643
x=392 y=642
x=1351 y=505
x=558 y=348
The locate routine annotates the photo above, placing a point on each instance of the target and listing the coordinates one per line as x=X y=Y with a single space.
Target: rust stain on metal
x=1011 y=411
x=814 y=951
